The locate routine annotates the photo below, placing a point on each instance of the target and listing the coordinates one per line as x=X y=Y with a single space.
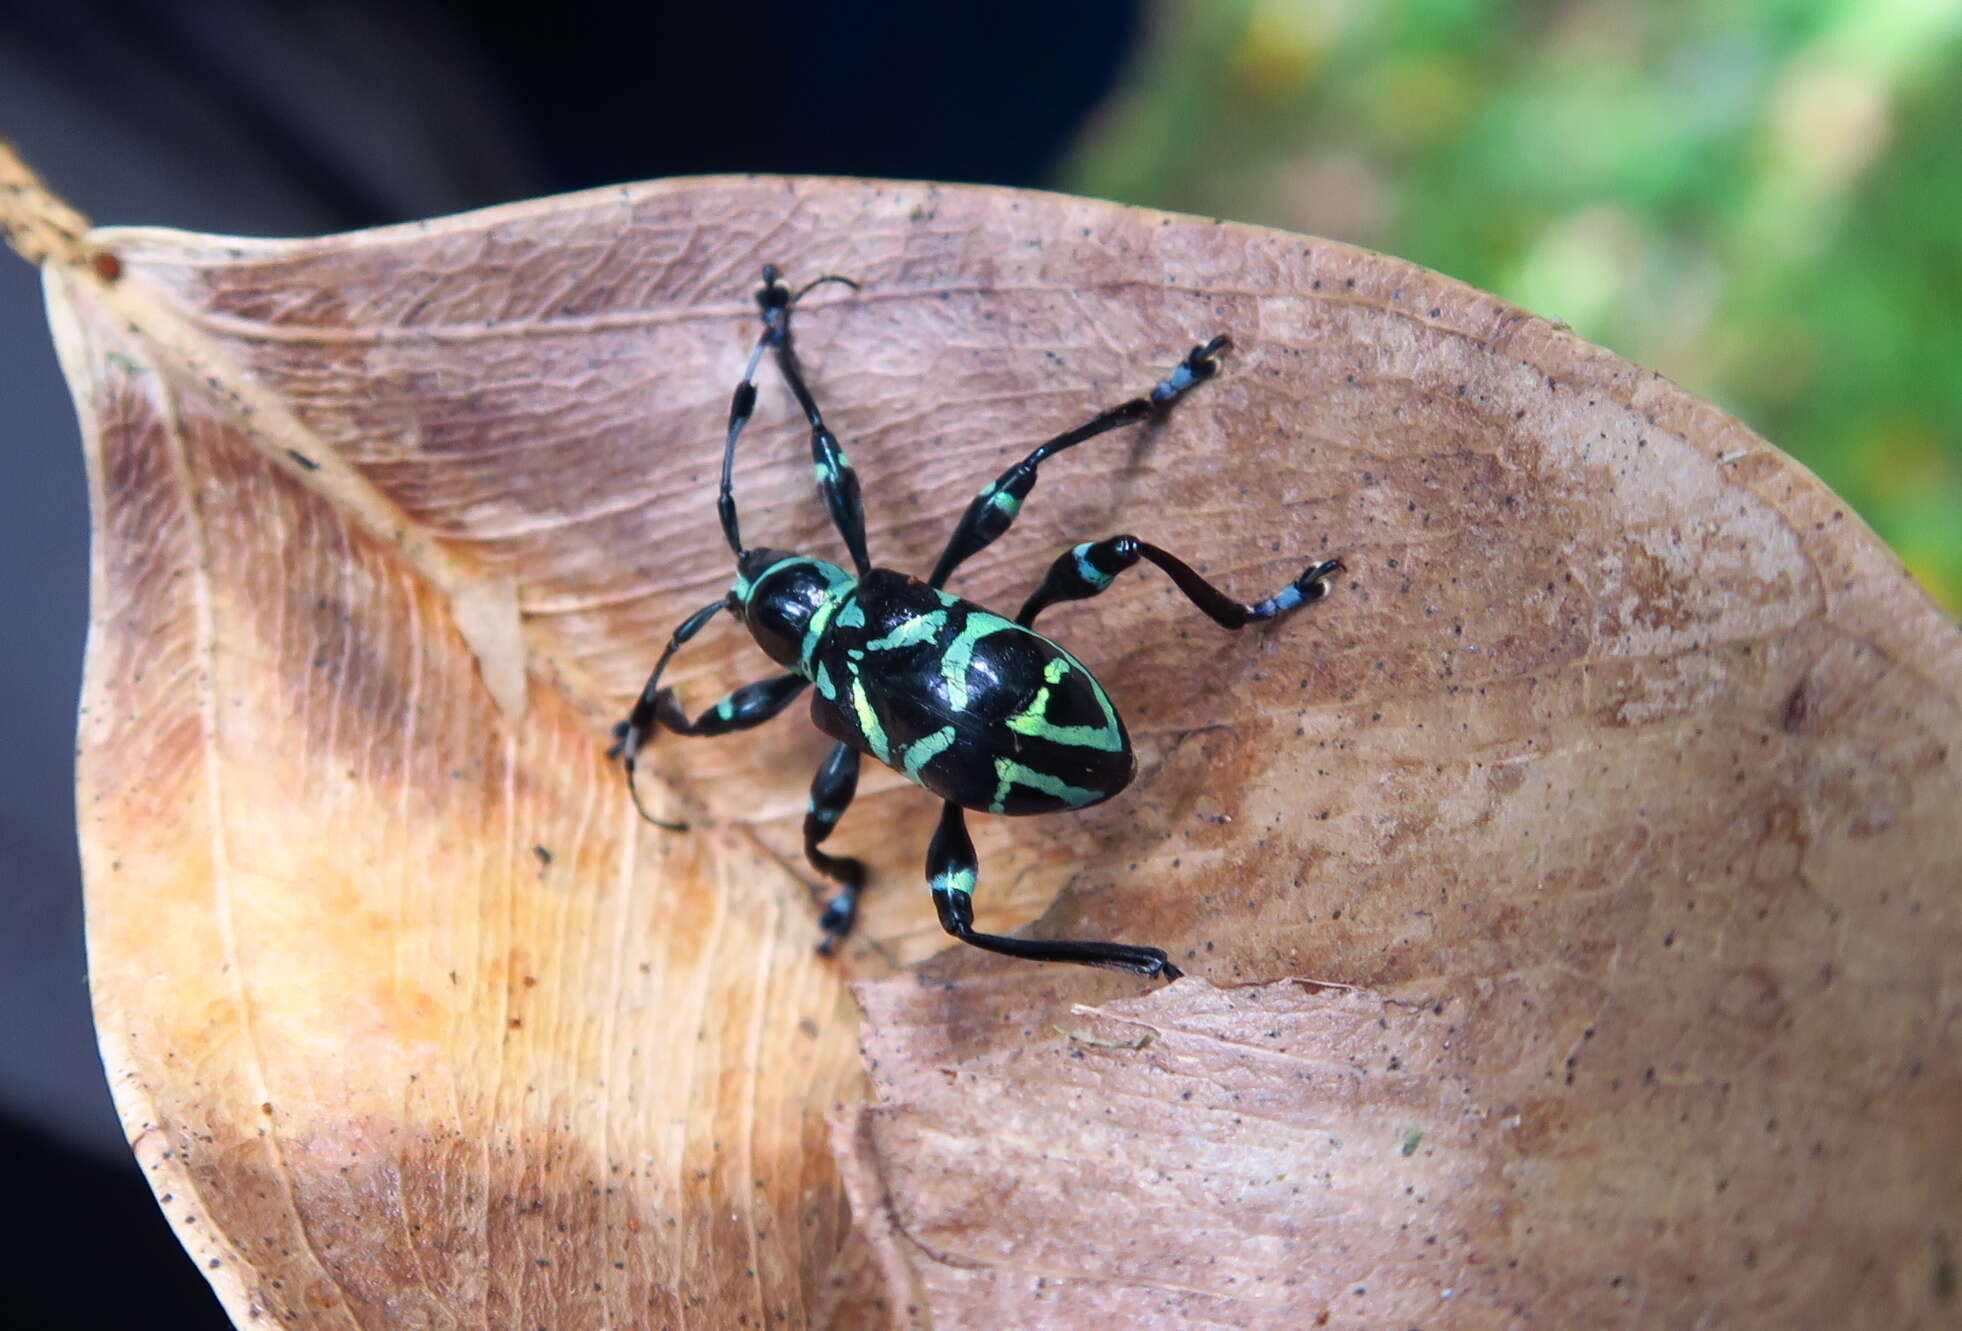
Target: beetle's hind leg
x=831 y=794
x=1087 y=569
x=953 y=871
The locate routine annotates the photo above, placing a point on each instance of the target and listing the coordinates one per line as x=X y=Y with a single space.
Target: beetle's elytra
x=981 y=710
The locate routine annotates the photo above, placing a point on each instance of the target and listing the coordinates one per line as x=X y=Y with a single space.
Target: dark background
x=271 y=119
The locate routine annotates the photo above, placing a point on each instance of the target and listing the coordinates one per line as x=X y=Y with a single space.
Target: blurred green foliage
x=1761 y=200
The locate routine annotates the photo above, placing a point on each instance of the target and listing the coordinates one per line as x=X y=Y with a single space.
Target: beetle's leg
x=836 y=480
x=994 y=509
x=773 y=302
x=633 y=732
x=1087 y=569
x=952 y=871
x=751 y=705
x=831 y=794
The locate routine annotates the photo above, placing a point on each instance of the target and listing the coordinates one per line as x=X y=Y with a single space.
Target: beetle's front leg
x=635 y=731
x=839 y=485
x=750 y=705
x=836 y=480
x=952 y=873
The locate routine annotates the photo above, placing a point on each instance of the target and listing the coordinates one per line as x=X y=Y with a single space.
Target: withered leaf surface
x=1619 y=777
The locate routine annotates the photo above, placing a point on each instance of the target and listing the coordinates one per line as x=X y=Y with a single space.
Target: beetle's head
x=778 y=595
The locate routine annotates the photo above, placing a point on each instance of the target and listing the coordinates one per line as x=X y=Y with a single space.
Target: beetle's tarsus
x=1313 y=583
x=840 y=917
x=1204 y=360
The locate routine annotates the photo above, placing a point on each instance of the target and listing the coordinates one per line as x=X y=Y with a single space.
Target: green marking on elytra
x=825 y=686
x=852 y=616
x=868 y=720
x=923 y=751
x=1033 y=720
x=1103 y=700
x=1008 y=773
x=918 y=629
x=813 y=631
x=960 y=653
x=954 y=880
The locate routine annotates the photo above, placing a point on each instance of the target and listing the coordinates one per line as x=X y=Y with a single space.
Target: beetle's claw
x=840 y=915
x=1313 y=582
x=1204 y=359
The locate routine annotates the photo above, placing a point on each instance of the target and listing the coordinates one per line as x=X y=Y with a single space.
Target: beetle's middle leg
x=831 y=794
x=993 y=511
x=1087 y=569
x=952 y=872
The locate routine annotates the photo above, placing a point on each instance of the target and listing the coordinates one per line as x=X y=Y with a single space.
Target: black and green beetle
x=983 y=711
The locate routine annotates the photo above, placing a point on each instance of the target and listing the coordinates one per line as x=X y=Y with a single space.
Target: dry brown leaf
x=1621 y=773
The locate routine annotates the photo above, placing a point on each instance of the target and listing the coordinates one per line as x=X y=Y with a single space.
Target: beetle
x=981 y=710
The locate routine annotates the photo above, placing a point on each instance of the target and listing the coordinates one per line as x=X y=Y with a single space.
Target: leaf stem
x=38 y=223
